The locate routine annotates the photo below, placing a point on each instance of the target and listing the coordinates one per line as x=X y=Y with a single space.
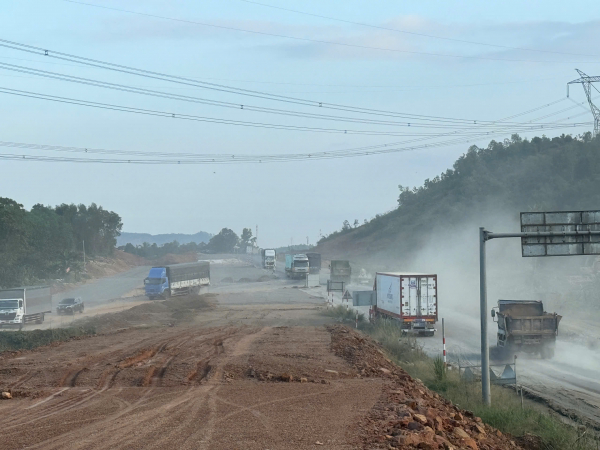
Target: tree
x=346 y=225
x=224 y=242
x=246 y=238
x=356 y=223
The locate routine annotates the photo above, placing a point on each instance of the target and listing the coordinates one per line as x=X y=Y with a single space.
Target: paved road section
x=105 y=289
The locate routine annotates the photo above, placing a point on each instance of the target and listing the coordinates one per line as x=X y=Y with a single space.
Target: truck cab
x=269 y=259
x=156 y=283
x=296 y=266
x=11 y=312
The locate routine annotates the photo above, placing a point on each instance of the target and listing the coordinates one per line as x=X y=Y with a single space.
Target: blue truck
x=177 y=279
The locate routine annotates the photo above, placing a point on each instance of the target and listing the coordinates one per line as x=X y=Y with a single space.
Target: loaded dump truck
x=314 y=263
x=177 y=279
x=23 y=305
x=523 y=325
x=296 y=266
x=340 y=270
x=409 y=298
x=268 y=258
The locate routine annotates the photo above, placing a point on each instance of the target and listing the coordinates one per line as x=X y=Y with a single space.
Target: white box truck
x=19 y=306
x=410 y=298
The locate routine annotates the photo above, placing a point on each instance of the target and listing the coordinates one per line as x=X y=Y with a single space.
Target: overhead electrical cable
x=414 y=33
x=321 y=41
x=441 y=122
x=212 y=86
x=174 y=115
x=191 y=158
x=132 y=89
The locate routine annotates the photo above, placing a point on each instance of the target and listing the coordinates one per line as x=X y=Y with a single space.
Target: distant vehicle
x=269 y=260
x=23 y=305
x=314 y=262
x=340 y=270
x=523 y=325
x=410 y=298
x=69 y=306
x=296 y=266
x=177 y=279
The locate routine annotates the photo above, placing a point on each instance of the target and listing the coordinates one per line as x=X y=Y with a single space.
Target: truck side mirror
x=20 y=303
x=493 y=313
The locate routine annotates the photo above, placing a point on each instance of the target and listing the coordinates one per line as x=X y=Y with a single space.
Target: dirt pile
x=119 y=262
x=408 y=415
x=158 y=313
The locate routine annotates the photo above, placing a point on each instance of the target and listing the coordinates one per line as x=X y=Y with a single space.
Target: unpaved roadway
x=213 y=381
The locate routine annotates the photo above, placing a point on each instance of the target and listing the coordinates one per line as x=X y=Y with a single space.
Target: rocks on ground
x=408 y=415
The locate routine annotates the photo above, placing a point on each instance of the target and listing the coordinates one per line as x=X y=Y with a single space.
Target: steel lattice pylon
x=586 y=81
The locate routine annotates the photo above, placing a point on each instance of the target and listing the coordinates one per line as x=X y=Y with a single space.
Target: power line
x=414 y=33
x=192 y=158
x=196 y=83
x=173 y=115
x=320 y=41
x=442 y=122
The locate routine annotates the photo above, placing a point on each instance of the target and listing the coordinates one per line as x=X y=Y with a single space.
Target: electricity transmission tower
x=586 y=81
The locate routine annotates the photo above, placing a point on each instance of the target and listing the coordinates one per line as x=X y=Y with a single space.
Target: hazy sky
x=286 y=200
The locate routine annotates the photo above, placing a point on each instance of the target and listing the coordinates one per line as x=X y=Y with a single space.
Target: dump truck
x=314 y=263
x=19 y=306
x=296 y=266
x=524 y=326
x=340 y=270
x=268 y=257
x=409 y=298
x=177 y=279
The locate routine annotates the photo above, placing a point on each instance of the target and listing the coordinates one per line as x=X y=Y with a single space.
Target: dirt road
x=186 y=388
x=249 y=365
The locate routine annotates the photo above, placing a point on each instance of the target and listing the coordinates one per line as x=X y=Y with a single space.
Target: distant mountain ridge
x=160 y=239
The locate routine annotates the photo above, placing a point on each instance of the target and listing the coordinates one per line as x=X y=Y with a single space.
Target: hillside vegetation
x=541 y=174
x=47 y=242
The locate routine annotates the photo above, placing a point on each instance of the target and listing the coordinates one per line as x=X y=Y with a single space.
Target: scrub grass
x=505 y=414
x=343 y=314
x=27 y=340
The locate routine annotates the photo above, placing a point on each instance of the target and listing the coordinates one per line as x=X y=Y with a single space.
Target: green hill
x=485 y=187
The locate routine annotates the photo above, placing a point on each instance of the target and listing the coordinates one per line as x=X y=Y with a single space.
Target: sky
x=460 y=60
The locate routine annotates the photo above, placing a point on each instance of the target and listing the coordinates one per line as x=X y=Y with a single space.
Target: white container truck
x=19 y=306
x=410 y=298
x=296 y=266
x=268 y=258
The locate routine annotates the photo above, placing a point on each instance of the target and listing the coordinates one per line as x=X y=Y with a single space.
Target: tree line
x=540 y=174
x=226 y=241
x=47 y=242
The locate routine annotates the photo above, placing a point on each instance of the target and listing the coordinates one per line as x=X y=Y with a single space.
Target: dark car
x=69 y=306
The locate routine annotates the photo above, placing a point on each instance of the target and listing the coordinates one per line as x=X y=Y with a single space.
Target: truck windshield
x=67 y=301
x=269 y=258
x=301 y=263
x=9 y=304
x=154 y=281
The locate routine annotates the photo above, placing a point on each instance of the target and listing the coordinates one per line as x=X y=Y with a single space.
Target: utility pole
x=307 y=240
x=485 y=350
x=256 y=236
x=83 y=242
x=586 y=81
